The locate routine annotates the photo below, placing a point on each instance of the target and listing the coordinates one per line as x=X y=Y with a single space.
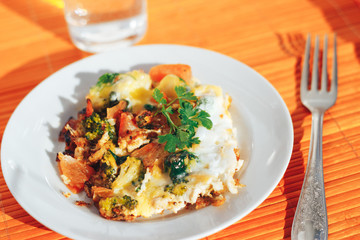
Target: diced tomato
x=89 y=108
x=126 y=124
x=74 y=172
x=157 y=73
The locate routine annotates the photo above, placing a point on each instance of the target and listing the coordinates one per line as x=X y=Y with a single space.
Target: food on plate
x=149 y=143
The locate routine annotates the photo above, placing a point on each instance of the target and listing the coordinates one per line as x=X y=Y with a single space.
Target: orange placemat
x=267 y=36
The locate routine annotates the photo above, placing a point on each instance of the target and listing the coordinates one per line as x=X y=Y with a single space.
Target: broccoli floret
x=112 y=203
x=108 y=168
x=176 y=164
x=111 y=131
x=137 y=183
x=108 y=174
x=95 y=126
x=128 y=202
x=178 y=189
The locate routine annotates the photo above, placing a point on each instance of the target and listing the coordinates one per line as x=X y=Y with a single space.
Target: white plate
x=30 y=144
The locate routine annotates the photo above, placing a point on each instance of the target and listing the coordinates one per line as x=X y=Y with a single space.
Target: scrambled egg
x=148 y=180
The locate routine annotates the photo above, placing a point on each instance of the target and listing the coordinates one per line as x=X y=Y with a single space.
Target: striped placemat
x=268 y=36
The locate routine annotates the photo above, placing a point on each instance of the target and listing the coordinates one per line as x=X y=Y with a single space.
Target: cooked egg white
x=216 y=149
x=217 y=163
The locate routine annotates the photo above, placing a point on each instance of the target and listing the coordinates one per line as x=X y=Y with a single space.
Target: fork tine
x=305 y=70
x=315 y=70
x=324 y=65
x=334 y=81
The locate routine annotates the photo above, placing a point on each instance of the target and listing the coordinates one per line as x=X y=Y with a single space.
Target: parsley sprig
x=190 y=115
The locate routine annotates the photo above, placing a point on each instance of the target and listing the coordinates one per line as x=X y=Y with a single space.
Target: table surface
x=269 y=36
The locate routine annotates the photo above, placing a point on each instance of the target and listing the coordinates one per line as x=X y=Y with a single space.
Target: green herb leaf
x=106 y=78
x=188 y=115
x=170 y=140
x=159 y=96
x=182 y=136
x=204 y=119
x=184 y=94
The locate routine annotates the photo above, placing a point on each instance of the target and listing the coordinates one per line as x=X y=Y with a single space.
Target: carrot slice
x=183 y=71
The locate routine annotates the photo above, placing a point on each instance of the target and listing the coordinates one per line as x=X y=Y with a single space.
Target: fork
x=310 y=220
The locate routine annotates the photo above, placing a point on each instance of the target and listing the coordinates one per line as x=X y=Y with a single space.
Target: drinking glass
x=103 y=25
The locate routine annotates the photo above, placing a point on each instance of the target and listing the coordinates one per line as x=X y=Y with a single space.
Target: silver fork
x=310 y=220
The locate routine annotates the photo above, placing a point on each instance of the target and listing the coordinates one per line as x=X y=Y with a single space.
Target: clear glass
x=98 y=26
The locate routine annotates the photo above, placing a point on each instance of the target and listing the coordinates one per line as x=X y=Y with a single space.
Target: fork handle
x=310 y=220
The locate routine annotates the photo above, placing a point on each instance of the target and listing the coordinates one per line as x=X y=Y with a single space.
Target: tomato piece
x=126 y=124
x=183 y=71
x=74 y=173
x=89 y=108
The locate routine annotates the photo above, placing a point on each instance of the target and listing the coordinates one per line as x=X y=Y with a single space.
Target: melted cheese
x=134 y=86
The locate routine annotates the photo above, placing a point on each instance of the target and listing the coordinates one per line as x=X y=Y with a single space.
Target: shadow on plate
x=15 y=84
